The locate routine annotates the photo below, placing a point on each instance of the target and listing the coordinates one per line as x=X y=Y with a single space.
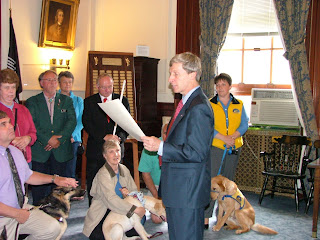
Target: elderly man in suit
x=100 y=127
x=185 y=171
x=55 y=119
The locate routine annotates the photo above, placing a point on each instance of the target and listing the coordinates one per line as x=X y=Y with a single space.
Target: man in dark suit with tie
x=185 y=171
x=100 y=127
x=55 y=119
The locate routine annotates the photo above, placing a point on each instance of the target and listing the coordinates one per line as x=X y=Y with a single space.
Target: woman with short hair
x=111 y=185
x=21 y=119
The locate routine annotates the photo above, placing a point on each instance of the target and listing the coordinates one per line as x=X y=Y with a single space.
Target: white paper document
x=120 y=115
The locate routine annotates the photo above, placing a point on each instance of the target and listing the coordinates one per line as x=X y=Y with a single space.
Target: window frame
x=243 y=89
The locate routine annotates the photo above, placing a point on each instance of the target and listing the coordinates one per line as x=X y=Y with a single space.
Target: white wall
x=102 y=25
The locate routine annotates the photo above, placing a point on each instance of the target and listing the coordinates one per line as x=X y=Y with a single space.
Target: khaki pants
x=39 y=226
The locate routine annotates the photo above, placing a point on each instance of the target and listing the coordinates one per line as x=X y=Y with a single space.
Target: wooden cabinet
x=146 y=80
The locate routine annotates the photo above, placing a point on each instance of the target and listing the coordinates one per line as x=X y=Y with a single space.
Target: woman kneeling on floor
x=112 y=183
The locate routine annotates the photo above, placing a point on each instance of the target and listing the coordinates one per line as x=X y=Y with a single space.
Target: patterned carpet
x=278 y=213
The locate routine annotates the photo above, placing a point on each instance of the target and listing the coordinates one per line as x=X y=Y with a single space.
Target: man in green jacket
x=55 y=119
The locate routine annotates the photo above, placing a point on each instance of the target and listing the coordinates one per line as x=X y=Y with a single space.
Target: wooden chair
x=283 y=166
x=316 y=145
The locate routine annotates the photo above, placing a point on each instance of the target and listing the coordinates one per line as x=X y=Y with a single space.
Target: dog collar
x=238 y=197
x=139 y=196
x=60 y=219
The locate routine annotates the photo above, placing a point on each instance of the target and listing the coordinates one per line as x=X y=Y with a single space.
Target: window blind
x=253 y=17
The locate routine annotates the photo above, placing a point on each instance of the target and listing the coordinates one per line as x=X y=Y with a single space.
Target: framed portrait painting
x=58 y=23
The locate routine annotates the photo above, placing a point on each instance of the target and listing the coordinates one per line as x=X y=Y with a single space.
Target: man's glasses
x=105 y=88
x=50 y=79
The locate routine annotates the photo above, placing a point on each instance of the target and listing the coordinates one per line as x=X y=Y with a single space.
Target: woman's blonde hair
x=109 y=145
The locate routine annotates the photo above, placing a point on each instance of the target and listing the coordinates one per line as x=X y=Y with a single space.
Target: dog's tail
x=262 y=229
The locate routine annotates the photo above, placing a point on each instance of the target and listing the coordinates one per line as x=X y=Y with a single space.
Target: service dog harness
x=139 y=195
x=238 y=197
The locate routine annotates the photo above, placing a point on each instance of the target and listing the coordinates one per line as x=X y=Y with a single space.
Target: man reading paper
x=185 y=171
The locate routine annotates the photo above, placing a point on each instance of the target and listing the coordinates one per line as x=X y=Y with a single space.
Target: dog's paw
x=216 y=228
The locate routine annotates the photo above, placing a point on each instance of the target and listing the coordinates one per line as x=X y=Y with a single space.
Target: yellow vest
x=220 y=125
x=238 y=196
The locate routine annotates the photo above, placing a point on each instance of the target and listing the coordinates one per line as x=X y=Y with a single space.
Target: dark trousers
x=72 y=164
x=93 y=166
x=185 y=223
x=49 y=167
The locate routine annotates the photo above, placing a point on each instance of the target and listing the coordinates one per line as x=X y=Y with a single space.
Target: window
x=253 y=52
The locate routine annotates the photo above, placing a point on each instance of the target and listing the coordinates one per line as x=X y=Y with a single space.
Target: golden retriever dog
x=57 y=204
x=115 y=225
x=234 y=209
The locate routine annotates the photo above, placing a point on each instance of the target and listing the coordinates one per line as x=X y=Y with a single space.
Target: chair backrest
x=287 y=154
x=316 y=145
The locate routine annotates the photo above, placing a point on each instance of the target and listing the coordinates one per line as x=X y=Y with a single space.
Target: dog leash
x=40 y=207
x=138 y=195
x=224 y=155
x=157 y=234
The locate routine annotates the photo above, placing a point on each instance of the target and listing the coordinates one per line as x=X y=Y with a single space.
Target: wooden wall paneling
x=188 y=26
x=165 y=109
x=313 y=51
x=188 y=31
x=117 y=64
x=146 y=79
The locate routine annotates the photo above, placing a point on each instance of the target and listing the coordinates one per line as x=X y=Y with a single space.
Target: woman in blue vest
x=230 y=124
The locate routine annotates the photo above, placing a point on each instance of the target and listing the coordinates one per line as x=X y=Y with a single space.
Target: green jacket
x=64 y=122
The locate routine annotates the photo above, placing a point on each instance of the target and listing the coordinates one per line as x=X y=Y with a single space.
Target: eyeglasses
x=105 y=88
x=50 y=79
x=66 y=82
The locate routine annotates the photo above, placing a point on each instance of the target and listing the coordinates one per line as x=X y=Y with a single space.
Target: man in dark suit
x=55 y=119
x=100 y=127
x=185 y=171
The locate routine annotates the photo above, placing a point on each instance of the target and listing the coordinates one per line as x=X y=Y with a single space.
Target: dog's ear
x=230 y=186
x=57 y=190
x=220 y=182
x=61 y=190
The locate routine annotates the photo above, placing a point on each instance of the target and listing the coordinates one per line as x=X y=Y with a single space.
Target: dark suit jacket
x=185 y=171
x=95 y=123
x=64 y=122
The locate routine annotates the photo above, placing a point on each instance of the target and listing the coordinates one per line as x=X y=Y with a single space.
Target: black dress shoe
x=206 y=226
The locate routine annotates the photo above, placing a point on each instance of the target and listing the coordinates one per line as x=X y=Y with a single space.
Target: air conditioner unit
x=273 y=107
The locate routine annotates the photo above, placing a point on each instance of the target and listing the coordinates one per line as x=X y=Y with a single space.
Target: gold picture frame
x=58 y=23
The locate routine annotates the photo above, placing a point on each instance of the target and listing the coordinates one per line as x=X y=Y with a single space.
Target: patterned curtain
x=214 y=22
x=292 y=16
